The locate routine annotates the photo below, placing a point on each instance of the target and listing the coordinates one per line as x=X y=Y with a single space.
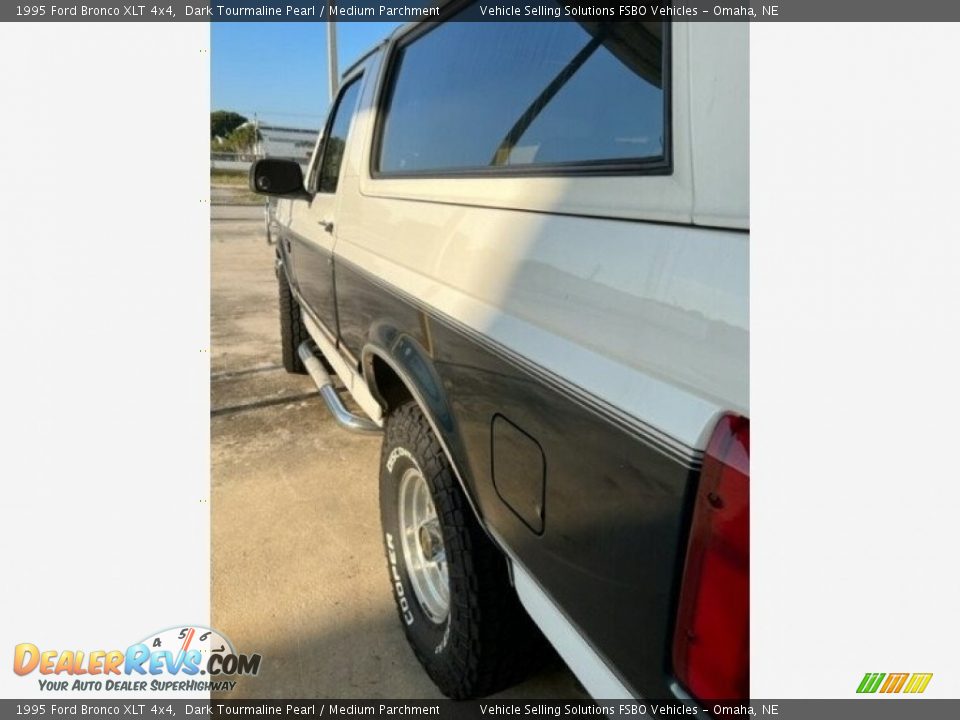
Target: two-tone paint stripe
x=663 y=443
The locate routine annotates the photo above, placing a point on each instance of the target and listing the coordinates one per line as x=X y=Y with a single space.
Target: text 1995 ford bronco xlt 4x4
x=523 y=248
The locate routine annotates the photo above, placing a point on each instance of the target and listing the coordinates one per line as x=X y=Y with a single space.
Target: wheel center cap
x=428 y=544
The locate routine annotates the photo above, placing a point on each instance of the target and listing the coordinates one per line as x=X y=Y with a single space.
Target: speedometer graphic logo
x=198 y=649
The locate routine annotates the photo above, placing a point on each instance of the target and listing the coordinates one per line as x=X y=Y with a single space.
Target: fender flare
x=412 y=364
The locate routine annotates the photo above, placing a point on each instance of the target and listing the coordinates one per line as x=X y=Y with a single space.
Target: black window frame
x=314 y=184
x=659 y=166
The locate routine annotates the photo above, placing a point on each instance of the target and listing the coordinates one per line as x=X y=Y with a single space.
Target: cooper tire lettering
x=480 y=639
x=402 y=601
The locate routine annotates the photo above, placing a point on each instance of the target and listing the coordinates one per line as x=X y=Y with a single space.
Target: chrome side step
x=319 y=375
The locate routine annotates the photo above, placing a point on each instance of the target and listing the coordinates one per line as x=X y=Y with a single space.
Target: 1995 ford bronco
x=523 y=249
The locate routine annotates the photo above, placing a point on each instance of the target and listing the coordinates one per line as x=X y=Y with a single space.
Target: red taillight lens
x=711 y=647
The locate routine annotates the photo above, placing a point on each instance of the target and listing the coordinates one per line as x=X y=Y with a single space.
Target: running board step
x=319 y=375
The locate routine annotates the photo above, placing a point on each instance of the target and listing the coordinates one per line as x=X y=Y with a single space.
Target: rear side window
x=501 y=97
x=336 y=139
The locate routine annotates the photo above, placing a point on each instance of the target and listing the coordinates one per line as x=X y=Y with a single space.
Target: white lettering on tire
x=397 y=584
x=396 y=454
x=443 y=642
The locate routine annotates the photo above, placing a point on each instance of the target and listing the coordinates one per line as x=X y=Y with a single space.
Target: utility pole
x=332 y=51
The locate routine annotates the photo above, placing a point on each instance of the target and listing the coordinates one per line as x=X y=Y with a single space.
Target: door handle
x=326 y=225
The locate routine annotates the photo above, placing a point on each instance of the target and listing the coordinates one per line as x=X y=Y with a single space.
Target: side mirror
x=280 y=178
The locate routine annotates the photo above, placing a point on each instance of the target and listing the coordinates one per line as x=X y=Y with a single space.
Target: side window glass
x=336 y=140
x=490 y=96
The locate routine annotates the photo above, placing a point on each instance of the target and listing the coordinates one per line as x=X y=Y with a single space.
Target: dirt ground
x=297 y=559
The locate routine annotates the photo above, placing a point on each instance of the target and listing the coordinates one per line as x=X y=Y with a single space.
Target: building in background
x=265 y=141
x=285 y=142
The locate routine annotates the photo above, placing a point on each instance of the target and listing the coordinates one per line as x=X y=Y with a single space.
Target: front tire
x=450 y=583
x=292 y=330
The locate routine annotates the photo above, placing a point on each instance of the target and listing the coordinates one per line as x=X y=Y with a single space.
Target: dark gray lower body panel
x=615 y=508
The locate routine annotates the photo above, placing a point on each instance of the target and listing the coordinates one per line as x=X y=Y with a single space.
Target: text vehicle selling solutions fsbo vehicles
x=523 y=248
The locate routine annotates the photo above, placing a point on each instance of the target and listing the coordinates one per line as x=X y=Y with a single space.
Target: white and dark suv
x=523 y=248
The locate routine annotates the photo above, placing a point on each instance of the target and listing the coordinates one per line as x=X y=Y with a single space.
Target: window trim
x=314 y=182
x=662 y=165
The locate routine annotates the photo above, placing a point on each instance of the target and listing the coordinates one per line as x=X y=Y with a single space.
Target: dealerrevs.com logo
x=187 y=658
x=890 y=683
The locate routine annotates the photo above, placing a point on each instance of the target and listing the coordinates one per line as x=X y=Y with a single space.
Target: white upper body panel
x=633 y=288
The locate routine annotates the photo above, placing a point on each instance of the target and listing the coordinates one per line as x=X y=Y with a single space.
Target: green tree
x=243 y=139
x=224 y=122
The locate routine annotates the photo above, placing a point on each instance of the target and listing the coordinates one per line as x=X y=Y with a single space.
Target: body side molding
x=585 y=662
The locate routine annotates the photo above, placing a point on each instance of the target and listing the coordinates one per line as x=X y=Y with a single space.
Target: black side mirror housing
x=279 y=178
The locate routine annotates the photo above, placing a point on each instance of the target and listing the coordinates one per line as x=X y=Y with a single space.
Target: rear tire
x=292 y=330
x=481 y=640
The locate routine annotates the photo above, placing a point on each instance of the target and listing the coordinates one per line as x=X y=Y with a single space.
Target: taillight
x=711 y=646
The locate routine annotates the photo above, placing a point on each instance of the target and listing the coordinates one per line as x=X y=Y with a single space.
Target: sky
x=278 y=71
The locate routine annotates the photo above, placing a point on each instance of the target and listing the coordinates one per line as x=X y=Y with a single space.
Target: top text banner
x=482 y=11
